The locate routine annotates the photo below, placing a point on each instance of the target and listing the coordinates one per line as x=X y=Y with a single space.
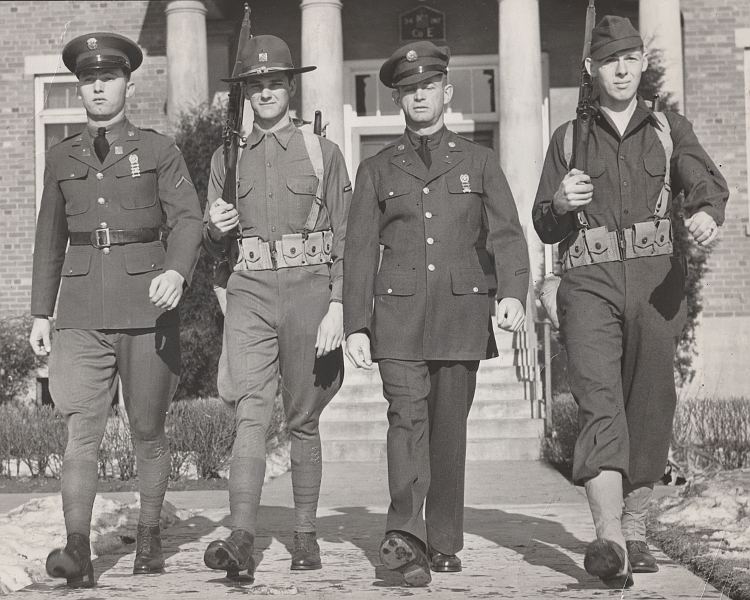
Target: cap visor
x=251 y=74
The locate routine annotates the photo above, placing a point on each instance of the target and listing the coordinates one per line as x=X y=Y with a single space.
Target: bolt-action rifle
x=585 y=110
x=232 y=138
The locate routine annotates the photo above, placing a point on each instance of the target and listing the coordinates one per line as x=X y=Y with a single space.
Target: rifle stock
x=584 y=110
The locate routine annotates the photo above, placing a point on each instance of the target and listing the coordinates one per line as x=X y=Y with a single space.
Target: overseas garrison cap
x=264 y=54
x=612 y=35
x=101 y=50
x=413 y=63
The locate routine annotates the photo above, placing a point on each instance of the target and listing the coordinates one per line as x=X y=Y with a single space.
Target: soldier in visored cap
x=283 y=311
x=423 y=313
x=112 y=192
x=621 y=302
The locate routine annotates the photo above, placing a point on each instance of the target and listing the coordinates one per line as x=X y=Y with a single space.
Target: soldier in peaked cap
x=423 y=314
x=111 y=192
x=621 y=302
x=283 y=309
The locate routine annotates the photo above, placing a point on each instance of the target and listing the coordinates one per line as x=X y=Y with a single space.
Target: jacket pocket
x=459 y=182
x=137 y=184
x=144 y=260
x=72 y=184
x=76 y=264
x=302 y=188
x=595 y=170
x=655 y=166
x=468 y=281
x=390 y=191
x=396 y=283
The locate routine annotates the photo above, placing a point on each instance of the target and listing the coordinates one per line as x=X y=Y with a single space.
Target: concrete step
x=485 y=429
x=476 y=450
x=375 y=409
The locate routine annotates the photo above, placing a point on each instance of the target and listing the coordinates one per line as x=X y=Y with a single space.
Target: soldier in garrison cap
x=621 y=302
x=111 y=192
x=283 y=311
x=424 y=313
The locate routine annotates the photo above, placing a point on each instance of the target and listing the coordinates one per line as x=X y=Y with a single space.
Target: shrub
x=710 y=435
x=559 y=443
x=17 y=359
x=32 y=435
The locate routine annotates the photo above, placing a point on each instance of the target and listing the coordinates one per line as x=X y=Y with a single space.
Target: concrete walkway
x=526 y=533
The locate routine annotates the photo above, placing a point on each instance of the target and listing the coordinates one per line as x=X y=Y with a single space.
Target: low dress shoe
x=403 y=553
x=73 y=562
x=233 y=555
x=444 y=563
x=306 y=555
x=148 y=553
x=607 y=560
x=640 y=558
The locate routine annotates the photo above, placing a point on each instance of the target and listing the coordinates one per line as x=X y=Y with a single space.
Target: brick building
x=515 y=66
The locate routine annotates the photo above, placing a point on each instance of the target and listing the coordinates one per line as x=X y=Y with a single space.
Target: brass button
x=476 y=289
x=100 y=175
x=71 y=271
x=430 y=267
x=105 y=250
x=390 y=290
x=390 y=193
x=153 y=265
x=101 y=201
x=625 y=184
x=426 y=190
x=430 y=241
x=428 y=214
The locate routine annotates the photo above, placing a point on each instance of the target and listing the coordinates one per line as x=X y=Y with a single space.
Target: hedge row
x=200 y=432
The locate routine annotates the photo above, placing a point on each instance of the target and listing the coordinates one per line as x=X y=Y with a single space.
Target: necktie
x=424 y=151
x=101 y=145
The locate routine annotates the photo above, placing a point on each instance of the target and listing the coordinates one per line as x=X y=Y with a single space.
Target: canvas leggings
x=84 y=366
x=270 y=329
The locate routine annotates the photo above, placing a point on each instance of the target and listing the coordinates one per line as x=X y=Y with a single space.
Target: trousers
x=621 y=322
x=428 y=405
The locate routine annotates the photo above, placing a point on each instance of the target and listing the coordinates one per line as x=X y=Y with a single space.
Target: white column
x=187 y=56
x=323 y=46
x=521 y=143
x=661 y=29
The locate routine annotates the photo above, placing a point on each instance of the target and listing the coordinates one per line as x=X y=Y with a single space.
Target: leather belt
x=593 y=246
x=105 y=237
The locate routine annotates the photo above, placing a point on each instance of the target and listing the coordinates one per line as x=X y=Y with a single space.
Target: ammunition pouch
x=593 y=246
x=292 y=250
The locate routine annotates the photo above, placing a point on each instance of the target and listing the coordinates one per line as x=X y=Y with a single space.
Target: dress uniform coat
x=428 y=298
x=142 y=183
x=425 y=306
x=621 y=320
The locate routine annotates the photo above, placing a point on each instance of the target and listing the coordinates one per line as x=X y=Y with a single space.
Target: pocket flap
x=72 y=170
x=302 y=184
x=292 y=245
x=655 y=165
x=251 y=249
x=597 y=240
x=76 y=264
x=144 y=260
x=391 y=191
x=459 y=182
x=596 y=167
x=469 y=281
x=663 y=232
x=575 y=245
x=314 y=244
x=396 y=283
x=644 y=234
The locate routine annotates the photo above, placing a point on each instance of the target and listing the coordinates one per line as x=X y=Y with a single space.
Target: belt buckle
x=100 y=238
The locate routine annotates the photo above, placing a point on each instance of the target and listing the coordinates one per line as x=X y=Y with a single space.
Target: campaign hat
x=101 y=50
x=263 y=54
x=613 y=34
x=413 y=63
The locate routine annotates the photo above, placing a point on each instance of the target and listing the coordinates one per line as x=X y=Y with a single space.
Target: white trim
x=742 y=40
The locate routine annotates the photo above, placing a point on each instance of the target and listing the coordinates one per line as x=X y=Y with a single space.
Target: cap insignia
x=92 y=43
x=263 y=57
x=411 y=55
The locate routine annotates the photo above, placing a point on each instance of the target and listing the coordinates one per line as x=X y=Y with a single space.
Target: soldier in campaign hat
x=110 y=193
x=423 y=313
x=285 y=241
x=621 y=302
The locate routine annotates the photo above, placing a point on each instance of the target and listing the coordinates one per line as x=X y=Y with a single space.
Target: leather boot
x=444 y=563
x=73 y=562
x=148 y=553
x=233 y=555
x=641 y=559
x=306 y=555
x=404 y=553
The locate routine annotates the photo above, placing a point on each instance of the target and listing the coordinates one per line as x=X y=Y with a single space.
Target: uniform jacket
x=427 y=300
x=142 y=183
x=628 y=174
x=276 y=189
